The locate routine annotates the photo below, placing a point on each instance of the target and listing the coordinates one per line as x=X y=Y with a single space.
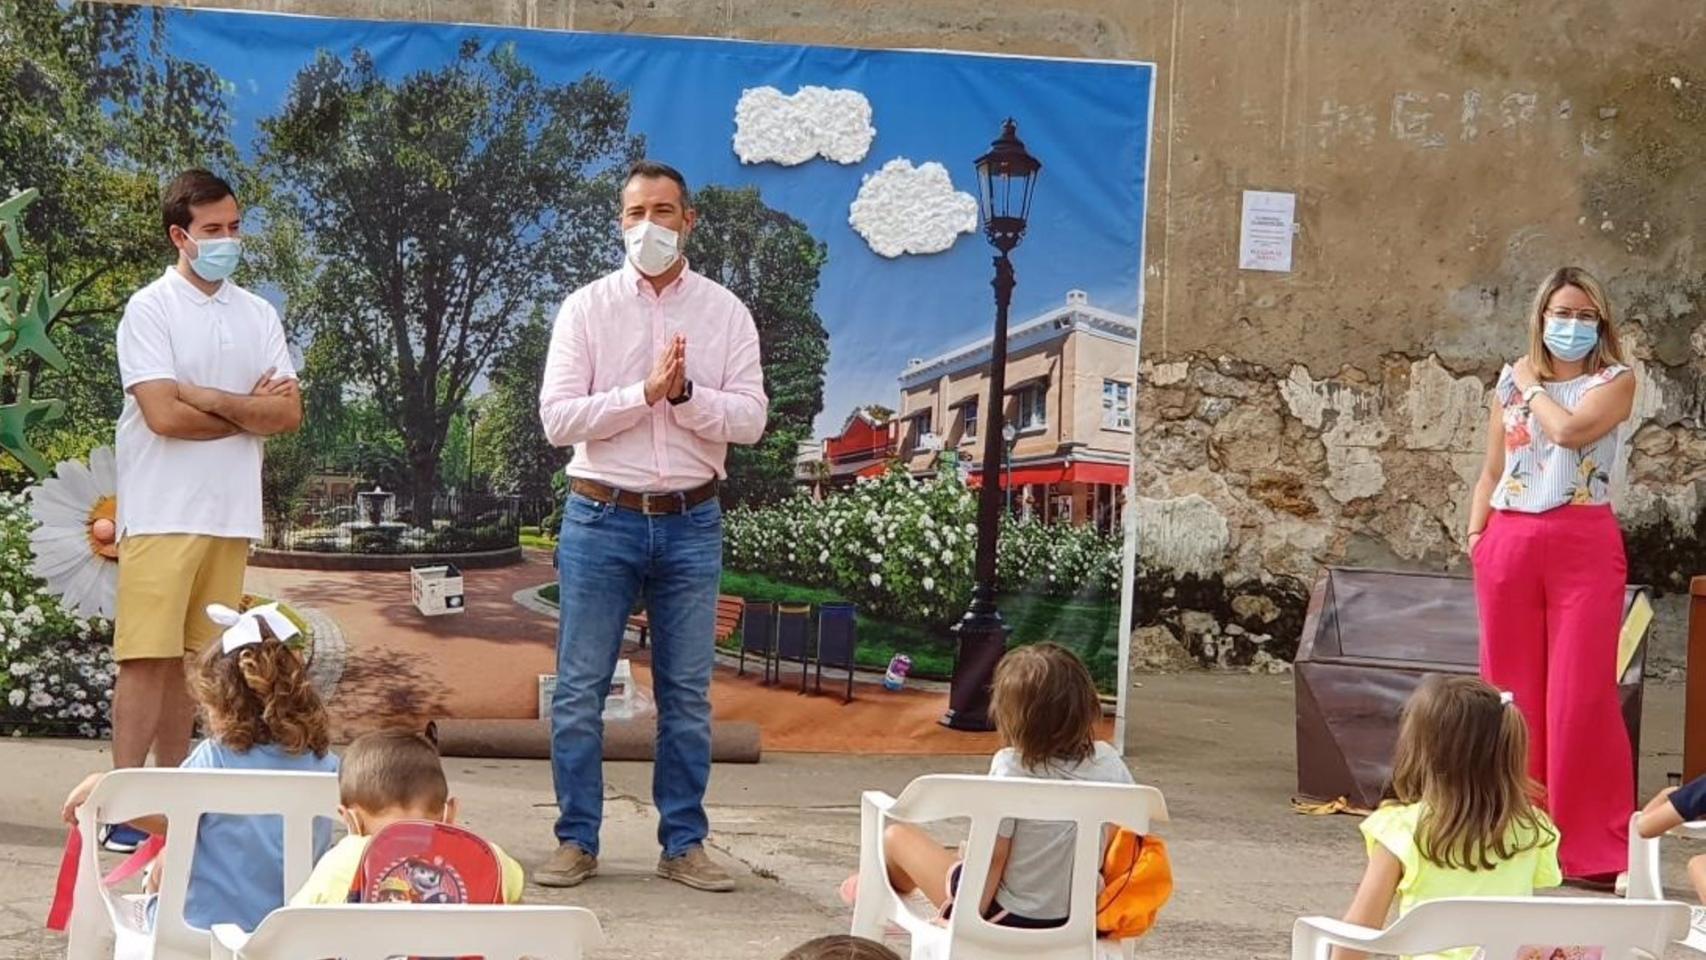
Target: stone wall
x=1445 y=156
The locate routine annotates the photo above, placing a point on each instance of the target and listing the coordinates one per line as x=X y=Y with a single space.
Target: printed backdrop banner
x=419 y=198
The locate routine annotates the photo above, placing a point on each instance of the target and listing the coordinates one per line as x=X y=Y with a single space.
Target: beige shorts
x=165 y=582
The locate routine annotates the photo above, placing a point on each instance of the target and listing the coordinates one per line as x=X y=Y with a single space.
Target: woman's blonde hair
x=1045 y=705
x=1463 y=755
x=258 y=695
x=1609 y=349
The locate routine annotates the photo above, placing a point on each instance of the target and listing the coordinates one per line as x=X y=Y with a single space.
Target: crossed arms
x=185 y=411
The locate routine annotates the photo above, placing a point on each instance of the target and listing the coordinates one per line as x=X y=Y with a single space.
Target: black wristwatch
x=686 y=395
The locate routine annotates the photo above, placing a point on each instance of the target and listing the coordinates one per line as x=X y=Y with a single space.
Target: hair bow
x=1506 y=697
x=243 y=629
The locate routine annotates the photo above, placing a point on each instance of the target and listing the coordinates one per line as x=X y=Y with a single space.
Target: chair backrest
x=758 y=626
x=184 y=796
x=378 y=931
x=986 y=801
x=1503 y=926
x=418 y=861
x=793 y=630
x=836 y=633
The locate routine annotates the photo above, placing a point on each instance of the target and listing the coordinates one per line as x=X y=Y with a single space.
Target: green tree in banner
x=94 y=113
x=510 y=446
x=422 y=217
x=771 y=262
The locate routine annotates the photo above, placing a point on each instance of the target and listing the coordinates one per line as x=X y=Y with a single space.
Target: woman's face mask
x=1570 y=339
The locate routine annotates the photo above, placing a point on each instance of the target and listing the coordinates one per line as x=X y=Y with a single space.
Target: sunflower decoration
x=76 y=536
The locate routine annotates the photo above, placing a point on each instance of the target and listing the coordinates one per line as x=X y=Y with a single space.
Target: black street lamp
x=1006 y=176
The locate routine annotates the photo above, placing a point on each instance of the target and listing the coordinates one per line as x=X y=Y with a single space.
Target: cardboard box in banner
x=436 y=590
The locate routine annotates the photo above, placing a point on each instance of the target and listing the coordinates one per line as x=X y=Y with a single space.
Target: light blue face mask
x=1570 y=339
x=216 y=257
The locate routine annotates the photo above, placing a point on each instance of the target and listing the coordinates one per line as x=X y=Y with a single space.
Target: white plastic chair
x=367 y=931
x=1645 y=882
x=986 y=801
x=99 y=916
x=1500 y=926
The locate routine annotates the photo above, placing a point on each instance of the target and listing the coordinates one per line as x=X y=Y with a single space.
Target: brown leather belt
x=650 y=504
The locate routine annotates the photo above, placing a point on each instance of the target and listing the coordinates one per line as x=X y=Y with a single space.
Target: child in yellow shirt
x=385 y=778
x=1463 y=821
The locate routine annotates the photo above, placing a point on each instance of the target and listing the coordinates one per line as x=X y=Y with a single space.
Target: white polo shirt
x=172 y=331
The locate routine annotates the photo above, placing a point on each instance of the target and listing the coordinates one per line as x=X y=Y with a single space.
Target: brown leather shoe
x=570 y=866
x=696 y=869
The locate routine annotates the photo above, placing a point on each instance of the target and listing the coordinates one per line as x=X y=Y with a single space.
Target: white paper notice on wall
x=1264 y=237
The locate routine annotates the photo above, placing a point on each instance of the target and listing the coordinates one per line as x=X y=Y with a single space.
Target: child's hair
x=840 y=946
x=392 y=770
x=1045 y=705
x=1463 y=755
x=260 y=694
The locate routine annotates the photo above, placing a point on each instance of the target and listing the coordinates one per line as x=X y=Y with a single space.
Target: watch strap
x=686 y=395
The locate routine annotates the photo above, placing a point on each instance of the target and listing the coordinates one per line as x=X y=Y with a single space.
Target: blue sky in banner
x=1086 y=121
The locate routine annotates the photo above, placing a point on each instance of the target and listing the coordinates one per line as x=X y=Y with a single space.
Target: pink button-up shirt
x=607 y=339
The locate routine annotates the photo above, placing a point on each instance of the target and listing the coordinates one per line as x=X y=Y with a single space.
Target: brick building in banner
x=1068 y=400
x=864 y=448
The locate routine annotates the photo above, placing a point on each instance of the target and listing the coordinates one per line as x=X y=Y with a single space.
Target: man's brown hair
x=392 y=770
x=841 y=946
x=1045 y=705
x=259 y=695
x=192 y=188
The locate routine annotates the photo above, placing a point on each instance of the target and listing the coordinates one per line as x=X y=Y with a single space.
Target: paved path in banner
x=404 y=668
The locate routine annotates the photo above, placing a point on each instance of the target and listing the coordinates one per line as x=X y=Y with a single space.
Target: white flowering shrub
x=56 y=669
x=905 y=549
x=1057 y=559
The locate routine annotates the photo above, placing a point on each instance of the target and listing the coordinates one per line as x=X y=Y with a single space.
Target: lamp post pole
x=1006 y=175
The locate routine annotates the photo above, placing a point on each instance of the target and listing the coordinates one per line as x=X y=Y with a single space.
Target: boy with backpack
x=403 y=845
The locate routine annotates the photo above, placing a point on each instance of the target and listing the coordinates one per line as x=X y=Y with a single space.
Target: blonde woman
x=1549 y=564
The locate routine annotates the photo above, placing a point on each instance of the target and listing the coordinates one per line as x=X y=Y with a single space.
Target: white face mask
x=652 y=248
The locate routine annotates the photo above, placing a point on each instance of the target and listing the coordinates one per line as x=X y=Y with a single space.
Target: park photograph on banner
x=417 y=202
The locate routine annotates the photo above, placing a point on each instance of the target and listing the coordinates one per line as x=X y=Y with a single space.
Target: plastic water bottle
x=899 y=666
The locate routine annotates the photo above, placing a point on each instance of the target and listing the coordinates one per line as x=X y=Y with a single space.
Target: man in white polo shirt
x=207 y=375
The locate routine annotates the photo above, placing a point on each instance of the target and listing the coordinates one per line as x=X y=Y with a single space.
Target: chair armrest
x=228 y=940
x=1311 y=936
x=1693 y=830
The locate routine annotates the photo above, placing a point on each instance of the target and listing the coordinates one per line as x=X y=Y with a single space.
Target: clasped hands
x=668 y=379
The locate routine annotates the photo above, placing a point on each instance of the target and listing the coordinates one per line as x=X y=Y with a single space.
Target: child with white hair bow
x=259 y=712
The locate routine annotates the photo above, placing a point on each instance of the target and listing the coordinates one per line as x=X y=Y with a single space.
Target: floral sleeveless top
x=1541 y=475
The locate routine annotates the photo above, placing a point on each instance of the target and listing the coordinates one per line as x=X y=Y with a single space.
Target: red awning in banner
x=1050 y=473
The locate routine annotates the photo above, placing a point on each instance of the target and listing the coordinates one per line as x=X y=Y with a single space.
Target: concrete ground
x=1219 y=746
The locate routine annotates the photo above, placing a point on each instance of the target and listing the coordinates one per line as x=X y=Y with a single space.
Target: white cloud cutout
x=906 y=209
x=771 y=126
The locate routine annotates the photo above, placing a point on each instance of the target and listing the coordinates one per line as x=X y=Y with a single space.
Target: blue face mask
x=216 y=257
x=1570 y=339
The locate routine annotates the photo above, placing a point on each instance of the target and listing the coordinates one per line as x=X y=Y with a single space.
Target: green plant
x=56 y=669
x=27 y=315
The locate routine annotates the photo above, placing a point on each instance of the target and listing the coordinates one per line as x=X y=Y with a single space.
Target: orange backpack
x=1137 y=880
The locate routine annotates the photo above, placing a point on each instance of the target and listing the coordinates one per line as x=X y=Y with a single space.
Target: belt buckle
x=679 y=499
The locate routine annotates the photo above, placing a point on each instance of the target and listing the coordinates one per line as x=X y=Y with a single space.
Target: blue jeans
x=608 y=556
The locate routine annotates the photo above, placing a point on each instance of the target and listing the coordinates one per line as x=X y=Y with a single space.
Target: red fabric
x=65 y=888
x=1052 y=473
x=1550 y=591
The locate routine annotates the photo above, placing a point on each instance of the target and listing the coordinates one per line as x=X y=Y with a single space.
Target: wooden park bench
x=729 y=611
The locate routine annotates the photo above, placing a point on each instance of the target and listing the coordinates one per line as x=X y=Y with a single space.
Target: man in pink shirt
x=652 y=372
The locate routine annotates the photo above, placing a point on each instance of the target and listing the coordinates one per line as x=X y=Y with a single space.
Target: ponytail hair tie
x=244 y=629
x=1506 y=697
